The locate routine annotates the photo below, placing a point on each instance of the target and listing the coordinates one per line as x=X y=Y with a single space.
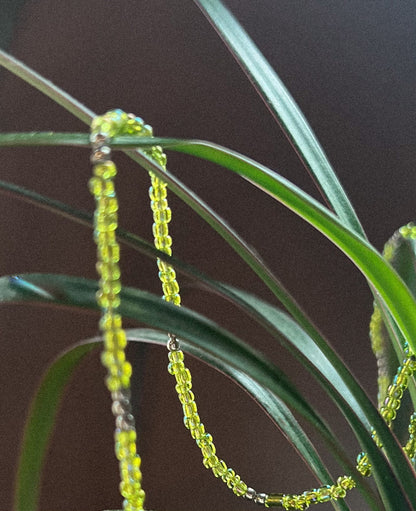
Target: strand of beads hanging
x=113 y=356
x=118 y=123
x=390 y=408
x=171 y=293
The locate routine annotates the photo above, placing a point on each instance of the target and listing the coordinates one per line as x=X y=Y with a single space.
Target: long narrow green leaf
x=250 y=256
x=43 y=413
x=384 y=279
x=139 y=305
x=368 y=260
x=283 y=107
x=39 y=427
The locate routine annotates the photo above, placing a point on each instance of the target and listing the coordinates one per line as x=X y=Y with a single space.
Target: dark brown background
x=350 y=66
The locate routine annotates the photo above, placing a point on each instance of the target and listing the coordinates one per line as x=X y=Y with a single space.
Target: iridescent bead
x=105 y=170
x=220 y=470
x=324 y=493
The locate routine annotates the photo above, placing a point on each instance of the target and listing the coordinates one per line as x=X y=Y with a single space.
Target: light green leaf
x=283 y=107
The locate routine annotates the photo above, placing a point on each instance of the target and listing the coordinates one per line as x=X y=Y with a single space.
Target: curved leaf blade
x=283 y=108
x=139 y=305
x=39 y=427
x=50 y=392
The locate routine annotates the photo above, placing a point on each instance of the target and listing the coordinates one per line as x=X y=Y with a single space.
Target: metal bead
x=260 y=498
x=173 y=343
x=125 y=422
x=98 y=139
x=118 y=409
x=122 y=395
x=250 y=494
x=102 y=153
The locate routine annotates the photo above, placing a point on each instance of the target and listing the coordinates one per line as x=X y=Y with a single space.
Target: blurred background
x=350 y=66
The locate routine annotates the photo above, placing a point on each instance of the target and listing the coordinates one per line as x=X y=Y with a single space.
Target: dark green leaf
x=283 y=107
x=42 y=416
x=40 y=425
x=139 y=305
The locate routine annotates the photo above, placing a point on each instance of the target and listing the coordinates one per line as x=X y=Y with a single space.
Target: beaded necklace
x=119 y=370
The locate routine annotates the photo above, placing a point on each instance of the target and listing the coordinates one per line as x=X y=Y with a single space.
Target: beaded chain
x=119 y=370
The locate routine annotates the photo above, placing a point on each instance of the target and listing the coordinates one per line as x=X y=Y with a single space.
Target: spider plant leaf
x=382 y=277
x=55 y=289
x=39 y=427
x=283 y=108
x=42 y=416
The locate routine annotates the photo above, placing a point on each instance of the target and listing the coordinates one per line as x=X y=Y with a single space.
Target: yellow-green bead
x=183 y=376
x=189 y=409
x=160 y=230
x=198 y=431
x=324 y=494
x=220 y=470
x=191 y=422
x=274 y=500
x=170 y=288
x=174 y=299
x=110 y=253
x=176 y=356
x=186 y=397
x=164 y=244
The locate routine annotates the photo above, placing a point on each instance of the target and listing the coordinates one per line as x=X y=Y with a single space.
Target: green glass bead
x=157 y=193
x=175 y=368
x=198 y=431
x=174 y=299
x=324 y=494
x=228 y=476
x=337 y=492
x=168 y=275
x=183 y=387
x=183 y=376
x=189 y=409
x=115 y=339
x=160 y=229
x=192 y=422
x=289 y=502
x=388 y=414
x=164 y=216
x=105 y=170
x=109 y=358
x=346 y=482
x=110 y=321
x=107 y=300
x=274 y=500
x=170 y=288
x=110 y=287
x=176 y=356
x=220 y=470
x=160 y=204
x=164 y=244
x=210 y=462
x=110 y=253
x=186 y=397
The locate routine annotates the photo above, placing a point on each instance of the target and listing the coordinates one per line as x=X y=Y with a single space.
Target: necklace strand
x=119 y=370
